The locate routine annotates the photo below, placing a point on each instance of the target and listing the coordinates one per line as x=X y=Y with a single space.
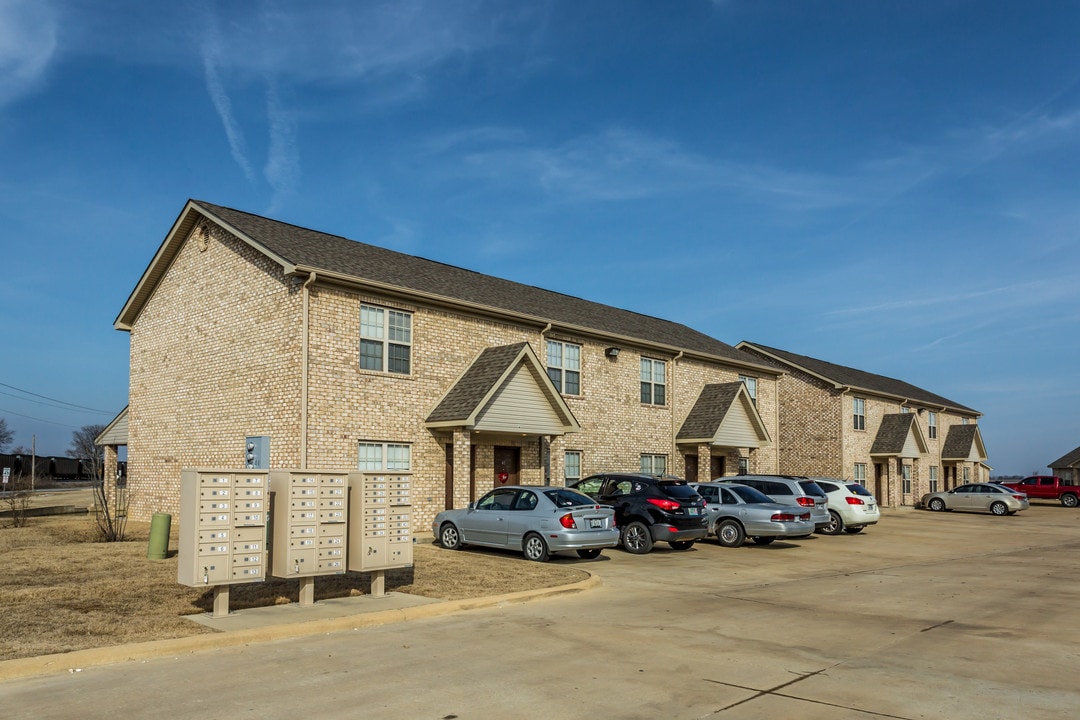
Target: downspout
x=674 y=430
x=542 y=351
x=304 y=374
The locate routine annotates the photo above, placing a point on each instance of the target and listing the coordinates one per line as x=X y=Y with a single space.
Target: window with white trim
x=385 y=340
x=967 y=474
x=904 y=409
x=905 y=471
x=933 y=478
x=751 y=386
x=380 y=456
x=931 y=425
x=571 y=466
x=654 y=464
x=744 y=465
x=564 y=366
x=860 y=472
x=653 y=382
x=963 y=421
x=858 y=413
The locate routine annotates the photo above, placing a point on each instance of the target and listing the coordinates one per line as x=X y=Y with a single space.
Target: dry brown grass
x=61 y=591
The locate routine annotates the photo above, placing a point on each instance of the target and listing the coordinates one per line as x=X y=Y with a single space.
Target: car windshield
x=857 y=489
x=750 y=495
x=812 y=488
x=564 y=497
x=676 y=489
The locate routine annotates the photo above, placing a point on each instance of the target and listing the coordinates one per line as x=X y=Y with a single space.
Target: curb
x=79 y=660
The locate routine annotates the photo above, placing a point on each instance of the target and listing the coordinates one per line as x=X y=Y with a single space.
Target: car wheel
x=999 y=508
x=836 y=524
x=854 y=530
x=763 y=540
x=1069 y=500
x=681 y=544
x=730 y=533
x=535 y=548
x=936 y=504
x=449 y=537
x=590 y=554
x=636 y=538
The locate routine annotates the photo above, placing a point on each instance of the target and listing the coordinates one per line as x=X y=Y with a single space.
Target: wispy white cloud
x=28 y=42
x=212 y=50
x=282 y=169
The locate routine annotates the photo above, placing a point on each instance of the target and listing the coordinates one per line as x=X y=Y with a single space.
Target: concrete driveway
x=923 y=616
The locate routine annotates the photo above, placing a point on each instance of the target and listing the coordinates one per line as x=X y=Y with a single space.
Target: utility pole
x=33 y=461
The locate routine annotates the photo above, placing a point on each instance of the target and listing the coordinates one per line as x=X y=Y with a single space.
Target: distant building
x=1067 y=467
x=899 y=440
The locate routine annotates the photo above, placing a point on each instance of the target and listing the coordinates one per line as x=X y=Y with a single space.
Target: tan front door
x=507 y=466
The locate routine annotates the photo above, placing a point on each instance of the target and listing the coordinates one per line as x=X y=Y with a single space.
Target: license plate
x=691 y=511
x=596 y=523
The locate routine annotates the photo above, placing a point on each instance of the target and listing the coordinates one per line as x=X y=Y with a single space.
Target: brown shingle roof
x=475 y=384
x=313 y=250
x=1067 y=460
x=859 y=379
x=709 y=411
x=892 y=434
x=958 y=442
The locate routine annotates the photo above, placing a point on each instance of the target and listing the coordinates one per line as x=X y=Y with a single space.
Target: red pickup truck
x=1048 y=487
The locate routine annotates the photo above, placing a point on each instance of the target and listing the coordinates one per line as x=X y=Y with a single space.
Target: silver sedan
x=737 y=512
x=535 y=520
x=977 y=497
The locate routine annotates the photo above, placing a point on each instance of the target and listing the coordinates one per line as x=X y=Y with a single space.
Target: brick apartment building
x=897 y=439
x=332 y=354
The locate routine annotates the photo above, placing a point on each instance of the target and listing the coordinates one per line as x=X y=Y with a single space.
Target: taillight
x=1020 y=497
x=666 y=505
x=804 y=516
x=567 y=521
x=783 y=517
x=854 y=500
x=805 y=501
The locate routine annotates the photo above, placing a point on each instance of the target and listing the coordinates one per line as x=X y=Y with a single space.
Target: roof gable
x=846 y=377
x=964 y=442
x=505 y=390
x=724 y=415
x=899 y=435
x=1067 y=460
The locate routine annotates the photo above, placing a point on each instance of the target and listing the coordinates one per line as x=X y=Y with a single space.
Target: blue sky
x=891 y=186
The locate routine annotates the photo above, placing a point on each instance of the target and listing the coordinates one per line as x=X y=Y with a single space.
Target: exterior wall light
x=612 y=352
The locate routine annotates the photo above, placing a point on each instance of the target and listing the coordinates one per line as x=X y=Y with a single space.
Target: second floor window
x=931 y=426
x=751 y=387
x=385 y=340
x=564 y=366
x=859 y=413
x=653 y=382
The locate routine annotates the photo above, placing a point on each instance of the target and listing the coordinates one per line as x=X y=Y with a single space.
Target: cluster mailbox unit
x=320 y=523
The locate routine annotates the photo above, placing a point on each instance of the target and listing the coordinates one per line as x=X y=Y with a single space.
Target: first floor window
x=654 y=464
x=744 y=465
x=967 y=474
x=860 y=472
x=564 y=366
x=379 y=456
x=572 y=464
x=905 y=471
x=858 y=411
x=933 y=478
x=751 y=387
x=385 y=340
x=653 y=382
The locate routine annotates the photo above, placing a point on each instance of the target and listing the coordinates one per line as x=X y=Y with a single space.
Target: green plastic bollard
x=160 y=524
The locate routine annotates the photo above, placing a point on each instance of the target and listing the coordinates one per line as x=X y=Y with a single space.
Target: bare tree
x=110 y=503
x=6 y=435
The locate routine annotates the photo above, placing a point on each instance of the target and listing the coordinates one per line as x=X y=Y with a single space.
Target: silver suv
x=790 y=490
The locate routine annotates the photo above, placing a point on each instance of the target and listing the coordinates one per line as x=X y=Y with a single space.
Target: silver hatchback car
x=737 y=512
x=534 y=520
x=790 y=490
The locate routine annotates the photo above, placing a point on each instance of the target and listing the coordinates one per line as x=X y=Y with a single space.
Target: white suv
x=851 y=506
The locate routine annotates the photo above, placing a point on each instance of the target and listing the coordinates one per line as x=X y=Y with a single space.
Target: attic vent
x=204 y=237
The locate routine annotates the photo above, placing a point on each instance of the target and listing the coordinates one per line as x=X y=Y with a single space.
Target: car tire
x=1070 y=500
x=681 y=544
x=835 y=526
x=636 y=538
x=854 y=530
x=936 y=504
x=999 y=508
x=534 y=548
x=450 y=537
x=730 y=533
x=763 y=540
x=589 y=554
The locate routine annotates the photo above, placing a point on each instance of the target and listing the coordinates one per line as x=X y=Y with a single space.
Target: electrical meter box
x=223 y=516
x=382 y=506
x=310 y=522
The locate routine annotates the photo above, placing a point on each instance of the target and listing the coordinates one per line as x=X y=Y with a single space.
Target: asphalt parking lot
x=925 y=615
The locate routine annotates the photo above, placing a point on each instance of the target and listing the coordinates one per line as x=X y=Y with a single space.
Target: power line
x=49 y=404
x=30 y=417
x=62 y=402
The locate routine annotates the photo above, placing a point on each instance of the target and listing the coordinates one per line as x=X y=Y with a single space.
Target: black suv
x=650 y=508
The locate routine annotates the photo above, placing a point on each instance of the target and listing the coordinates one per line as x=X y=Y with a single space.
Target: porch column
x=462 y=467
x=704 y=462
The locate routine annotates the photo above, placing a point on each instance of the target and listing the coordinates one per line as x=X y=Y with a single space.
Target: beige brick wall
x=216 y=356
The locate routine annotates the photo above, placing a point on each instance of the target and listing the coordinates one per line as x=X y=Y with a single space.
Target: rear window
x=827 y=486
x=812 y=488
x=750 y=495
x=678 y=490
x=778 y=488
x=857 y=489
x=564 y=497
